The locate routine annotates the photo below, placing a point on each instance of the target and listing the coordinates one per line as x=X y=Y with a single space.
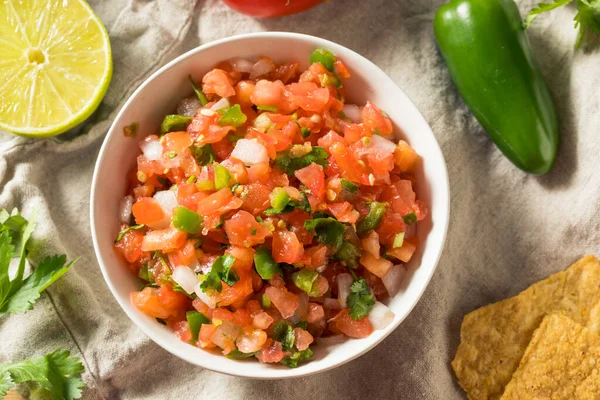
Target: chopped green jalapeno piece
x=373 y=218
x=233 y=116
x=238 y=355
x=222 y=176
x=324 y=57
x=292 y=360
x=173 y=123
x=186 y=220
x=199 y=93
x=195 y=321
x=410 y=218
x=205 y=185
x=349 y=186
x=279 y=198
x=305 y=280
x=328 y=80
x=398 y=240
x=265 y=265
x=348 y=254
x=265 y=107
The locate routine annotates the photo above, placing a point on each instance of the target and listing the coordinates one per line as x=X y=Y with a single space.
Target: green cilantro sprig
x=220 y=271
x=360 y=300
x=588 y=15
x=19 y=295
x=58 y=373
x=289 y=164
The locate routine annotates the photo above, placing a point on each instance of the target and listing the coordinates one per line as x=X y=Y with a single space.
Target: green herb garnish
x=360 y=300
x=173 y=123
x=373 y=218
x=289 y=165
x=129 y=228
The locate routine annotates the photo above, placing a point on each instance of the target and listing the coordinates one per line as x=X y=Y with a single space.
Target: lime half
x=55 y=65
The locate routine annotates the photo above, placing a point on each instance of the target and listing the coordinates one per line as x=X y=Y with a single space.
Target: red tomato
x=160 y=303
x=243 y=92
x=177 y=141
x=374 y=119
x=219 y=203
x=270 y=8
x=167 y=240
x=147 y=211
x=243 y=230
x=257 y=198
x=314 y=179
x=268 y=93
x=219 y=82
x=308 y=96
x=286 y=247
x=130 y=246
x=355 y=329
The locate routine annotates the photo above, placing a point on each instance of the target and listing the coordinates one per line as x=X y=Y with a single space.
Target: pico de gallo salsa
x=267 y=213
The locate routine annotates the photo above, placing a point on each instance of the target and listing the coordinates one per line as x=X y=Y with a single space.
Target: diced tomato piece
x=181 y=330
x=167 y=240
x=161 y=302
x=222 y=314
x=286 y=72
x=315 y=257
x=391 y=224
x=262 y=320
x=200 y=306
x=373 y=119
x=130 y=246
x=147 y=211
x=344 y=212
x=271 y=352
x=405 y=252
x=204 y=336
x=222 y=149
x=316 y=313
x=371 y=244
x=358 y=329
x=340 y=69
x=286 y=247
x=303 y=339
x=244 y=258
x=243 y=93
x=225 y=336
x=268 y=93
x=329 y=139
x=314 y=179
x=378 y=266
x=184 y=256
x=256 y=199
x=219 y=203
x=405 y=157
x=251 y=340
x=308 y=96
x=237 y=292
x=177 y=141
x=242 y=317
x=259 y=172
x=219 y=82
x=286 y=302
x=349 y=167
x=243 y=230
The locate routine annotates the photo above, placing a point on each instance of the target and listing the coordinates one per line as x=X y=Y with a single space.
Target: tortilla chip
x=562 y=362
x=494 y=337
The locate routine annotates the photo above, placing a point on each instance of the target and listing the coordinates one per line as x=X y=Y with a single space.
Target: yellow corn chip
x=562 y=362
x=494 y=337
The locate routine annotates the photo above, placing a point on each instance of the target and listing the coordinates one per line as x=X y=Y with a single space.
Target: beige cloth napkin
x=507 y=229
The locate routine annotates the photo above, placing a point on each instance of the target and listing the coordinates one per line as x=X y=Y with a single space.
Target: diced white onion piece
x=344 y=281
x=262 y=67
x=380 y=316
x=241 y=64
x=223 y=103
x=332 y=304
x=206 y=299
x=125 y=209
x=189 y=106
x=384 y=144
x=186 y=278
x=352 y=111
x=393 y=279
x=250 y=152
x=152 y=149
x=167 y=201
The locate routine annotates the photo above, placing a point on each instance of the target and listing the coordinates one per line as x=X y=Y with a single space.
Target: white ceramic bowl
x=159 y=95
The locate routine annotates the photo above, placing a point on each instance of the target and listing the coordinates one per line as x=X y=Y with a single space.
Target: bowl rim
x=442 y=181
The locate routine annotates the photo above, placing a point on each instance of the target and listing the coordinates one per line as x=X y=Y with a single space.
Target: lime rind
x=83 y=111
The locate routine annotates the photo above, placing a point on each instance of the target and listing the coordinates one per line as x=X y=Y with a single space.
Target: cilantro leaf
x=289 y=164
x=19 y=231
x=57 y=372
x=360 y=300
x=129 y=228
x=542 y=8
x=292 y=360
x=328 y=230
x=204 y=155
x=45 y=274
x=284 y=333
x=220 y=271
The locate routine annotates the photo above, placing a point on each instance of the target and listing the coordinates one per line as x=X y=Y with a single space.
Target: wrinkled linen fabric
x=507 y=229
